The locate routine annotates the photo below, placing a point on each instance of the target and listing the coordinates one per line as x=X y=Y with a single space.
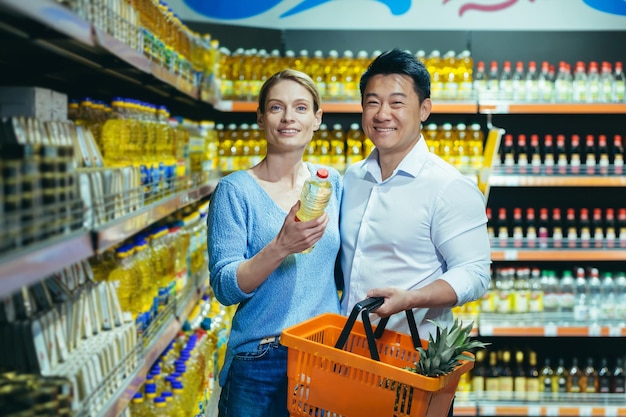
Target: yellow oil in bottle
x=148 y=287
x=354 y=144
x=315 y=69
x=315 y=196
x=337 y=148
x=322 y=145
x=125 y=280
x=334 y=85
x=434 y=66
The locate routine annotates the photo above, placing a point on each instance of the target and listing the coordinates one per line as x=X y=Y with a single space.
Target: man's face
x=392 y=113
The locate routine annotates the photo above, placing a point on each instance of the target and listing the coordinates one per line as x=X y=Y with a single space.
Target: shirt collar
x=410 y=164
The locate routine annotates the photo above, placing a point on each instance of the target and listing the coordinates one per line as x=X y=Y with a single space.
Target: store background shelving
x=42 y=31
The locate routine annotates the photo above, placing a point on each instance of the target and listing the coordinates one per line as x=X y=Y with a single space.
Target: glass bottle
x=573 y=377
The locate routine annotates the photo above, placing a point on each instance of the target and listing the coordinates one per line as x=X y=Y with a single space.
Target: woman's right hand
x=296 y=236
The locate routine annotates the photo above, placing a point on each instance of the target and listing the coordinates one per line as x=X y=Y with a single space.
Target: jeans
x=257 y=384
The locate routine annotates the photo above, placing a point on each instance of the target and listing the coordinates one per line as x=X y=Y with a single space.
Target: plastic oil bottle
x=125 y=279
x=337 y=148
x=354 y=144
x=322 y=145
x=314 y=197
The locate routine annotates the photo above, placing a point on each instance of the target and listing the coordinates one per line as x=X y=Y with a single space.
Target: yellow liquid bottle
x=124 y=279
x=337 y=148
x=322 y=145
x=315 y=196
x=334 y=86
x=148 y=285
x=354 y=144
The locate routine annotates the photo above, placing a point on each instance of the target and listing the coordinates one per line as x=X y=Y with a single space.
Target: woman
x=255 y=246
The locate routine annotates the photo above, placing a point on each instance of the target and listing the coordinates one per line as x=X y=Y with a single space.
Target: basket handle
x=365 y=307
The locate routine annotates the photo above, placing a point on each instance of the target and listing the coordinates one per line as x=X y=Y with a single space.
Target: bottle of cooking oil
x=125 y=280
x=446 y=143
x=431 y=134
x=334 y=85
x=257 y=144
x=148 y=290
x=434 y=67
x=354 y=144
x=337 y=148
x=315 y=69
x=116 y=136
x=349 y=79
x=465 y=74
x=322 y=145
x=449 y=75
x=314 y=197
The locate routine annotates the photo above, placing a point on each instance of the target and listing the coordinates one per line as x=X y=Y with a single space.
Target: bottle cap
x=322 y=173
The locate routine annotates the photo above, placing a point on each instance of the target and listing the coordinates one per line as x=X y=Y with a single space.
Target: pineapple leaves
x=446 y=350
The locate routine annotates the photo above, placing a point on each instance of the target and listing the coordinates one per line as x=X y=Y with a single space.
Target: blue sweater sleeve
x=227 y=248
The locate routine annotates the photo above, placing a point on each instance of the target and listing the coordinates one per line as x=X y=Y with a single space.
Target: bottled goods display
x=152 y=29
x=181 y=381
x=500 y=380
x=39 y=194
x=560 y=227
x=242 y=72
x=562 y=155
x=243 y=146
x=590 y=82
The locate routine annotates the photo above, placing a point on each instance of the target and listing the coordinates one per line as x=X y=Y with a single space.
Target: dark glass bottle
x=506 y=376
x=573 y=377
x=546 y=376
x=619 y=379
x=604 y=377
x=589 y=378
x=560 y=378
x=533 y=388
x=519 y=376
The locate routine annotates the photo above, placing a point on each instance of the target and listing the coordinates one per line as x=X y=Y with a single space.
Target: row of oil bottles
x=155 y=266
x=242 y=146
x=151 y=27
x=243 y=71
x=181 y=381
x=169 y=151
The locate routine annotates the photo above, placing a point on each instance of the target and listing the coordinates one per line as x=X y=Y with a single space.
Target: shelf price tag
x=585 y=411
x=595 y=330
x=502 y=108
x=552 y=411
x=615 y=331
x=510 y=255
x=489 y=410
x=550 y=330
x=534 y=410
x=486 y=329
x=610 y=411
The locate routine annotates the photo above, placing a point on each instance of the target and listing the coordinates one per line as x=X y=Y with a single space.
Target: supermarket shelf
x=161 y=340
x=549 y=410
x=470 y=404
x=510 y=107
x=24 y=267
x=54 y=15
x=503 y=180
x=125 y=227
x=460 y=107
x=566 y=254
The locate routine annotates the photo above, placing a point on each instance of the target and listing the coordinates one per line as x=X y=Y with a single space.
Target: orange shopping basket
x=338 y=366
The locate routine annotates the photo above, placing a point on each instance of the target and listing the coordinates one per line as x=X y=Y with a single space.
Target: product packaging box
x=41 y=103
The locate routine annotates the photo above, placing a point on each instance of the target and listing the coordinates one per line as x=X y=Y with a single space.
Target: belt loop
x=268 y=340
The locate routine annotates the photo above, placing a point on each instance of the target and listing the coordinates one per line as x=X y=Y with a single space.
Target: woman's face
x=289 y=119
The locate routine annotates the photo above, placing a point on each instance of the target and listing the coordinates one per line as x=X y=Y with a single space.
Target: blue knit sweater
x=242 y=220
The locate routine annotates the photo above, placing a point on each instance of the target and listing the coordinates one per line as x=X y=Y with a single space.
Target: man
x=413 y=228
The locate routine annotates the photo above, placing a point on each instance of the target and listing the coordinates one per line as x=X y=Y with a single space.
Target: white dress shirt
x=425 y=222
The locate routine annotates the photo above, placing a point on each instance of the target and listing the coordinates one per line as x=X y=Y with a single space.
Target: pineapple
x=447 y=350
